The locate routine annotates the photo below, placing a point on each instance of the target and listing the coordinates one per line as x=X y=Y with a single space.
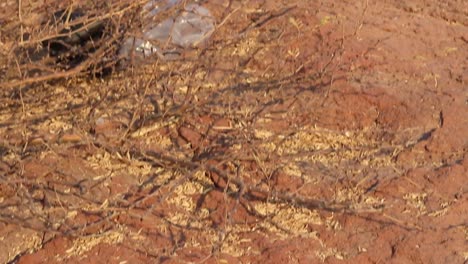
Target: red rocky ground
x=360 y=105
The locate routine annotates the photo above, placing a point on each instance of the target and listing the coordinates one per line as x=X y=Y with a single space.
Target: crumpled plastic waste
x=192 y=27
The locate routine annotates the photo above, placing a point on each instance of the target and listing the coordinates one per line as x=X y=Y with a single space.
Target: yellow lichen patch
x=330 y=252
x=263 y=134
x=119 y=163
x=441 y=212
x=236 y=244
x=18 y=242
x=181 y=197
x=449 y=50
x=268 y=146
x=56 y=125
x=151 y=137
x=333 y=149
x=358 y=200
x=245 y=46
x=416 y=200
x=85 y=244
x=284 y=218
x=292 y=170
x=326 y=20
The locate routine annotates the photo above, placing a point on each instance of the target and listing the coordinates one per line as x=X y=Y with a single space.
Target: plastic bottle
x=191 y=27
